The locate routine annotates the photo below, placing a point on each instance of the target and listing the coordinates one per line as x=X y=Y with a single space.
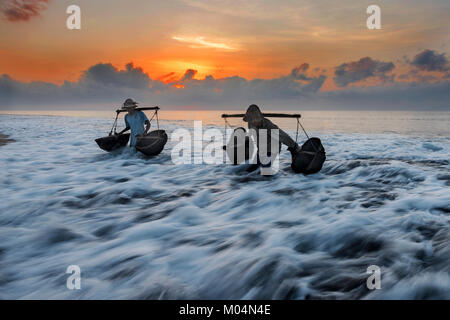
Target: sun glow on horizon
x=179 y=67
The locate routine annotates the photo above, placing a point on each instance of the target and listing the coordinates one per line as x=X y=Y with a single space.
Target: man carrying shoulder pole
x=256 y=121
x=135 y=121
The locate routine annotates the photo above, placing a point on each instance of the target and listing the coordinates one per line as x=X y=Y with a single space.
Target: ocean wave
x=144 y=228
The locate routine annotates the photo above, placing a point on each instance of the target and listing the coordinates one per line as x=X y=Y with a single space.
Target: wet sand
x=4 y=140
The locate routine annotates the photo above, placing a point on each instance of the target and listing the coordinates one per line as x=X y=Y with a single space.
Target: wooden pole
x=268 y=115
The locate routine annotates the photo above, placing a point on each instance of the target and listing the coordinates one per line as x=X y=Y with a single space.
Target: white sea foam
x=143 y=228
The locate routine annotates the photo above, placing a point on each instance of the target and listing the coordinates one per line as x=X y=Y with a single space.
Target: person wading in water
x=134 y=120
x=256 y=121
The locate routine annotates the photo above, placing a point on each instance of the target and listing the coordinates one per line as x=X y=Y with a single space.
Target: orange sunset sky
x=253 y=38
x=301 y=47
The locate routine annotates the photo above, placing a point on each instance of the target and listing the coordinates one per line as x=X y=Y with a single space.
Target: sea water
x=144 y=228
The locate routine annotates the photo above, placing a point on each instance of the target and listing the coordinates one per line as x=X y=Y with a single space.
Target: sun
x=179 y=67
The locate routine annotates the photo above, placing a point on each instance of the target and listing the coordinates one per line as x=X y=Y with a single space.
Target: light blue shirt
x=136 y=122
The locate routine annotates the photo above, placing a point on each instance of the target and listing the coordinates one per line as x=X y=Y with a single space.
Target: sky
x=227 y=53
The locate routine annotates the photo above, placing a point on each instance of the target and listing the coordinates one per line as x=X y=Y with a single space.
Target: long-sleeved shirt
x=136 y=123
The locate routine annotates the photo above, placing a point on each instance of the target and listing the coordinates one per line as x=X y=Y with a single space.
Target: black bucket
x=153 y=143
x=113 y=142
x=310 y=158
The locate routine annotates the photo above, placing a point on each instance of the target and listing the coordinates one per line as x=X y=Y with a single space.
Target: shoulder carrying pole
x=140 y=108
x=118 y=111
x=267 y=115
x=274 y=115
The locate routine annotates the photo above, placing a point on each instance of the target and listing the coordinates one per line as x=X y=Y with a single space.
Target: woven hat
x=129 y=103
x=253 y=114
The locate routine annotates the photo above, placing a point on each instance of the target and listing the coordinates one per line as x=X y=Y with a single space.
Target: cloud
x=430 y=60
x=397 y=96
x=104 y=83
x=363 y=69
x=105 y=74
x=22 y=10
x=300 y=72
x=238 y=90
x=100 y=83
x=200 y=42
x=189 y=75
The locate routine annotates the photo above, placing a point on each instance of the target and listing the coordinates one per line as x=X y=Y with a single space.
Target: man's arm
x=283 y=136
x=124 y=130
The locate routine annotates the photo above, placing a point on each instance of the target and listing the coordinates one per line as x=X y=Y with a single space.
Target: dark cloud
x=105 y=74
x=397 y=96
x=99 y=83
x=106 y=84
x=210 y=91
x=189 y=74
x=430 y=60
x=300 y=72
x=363 y=69
x=21 y=10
